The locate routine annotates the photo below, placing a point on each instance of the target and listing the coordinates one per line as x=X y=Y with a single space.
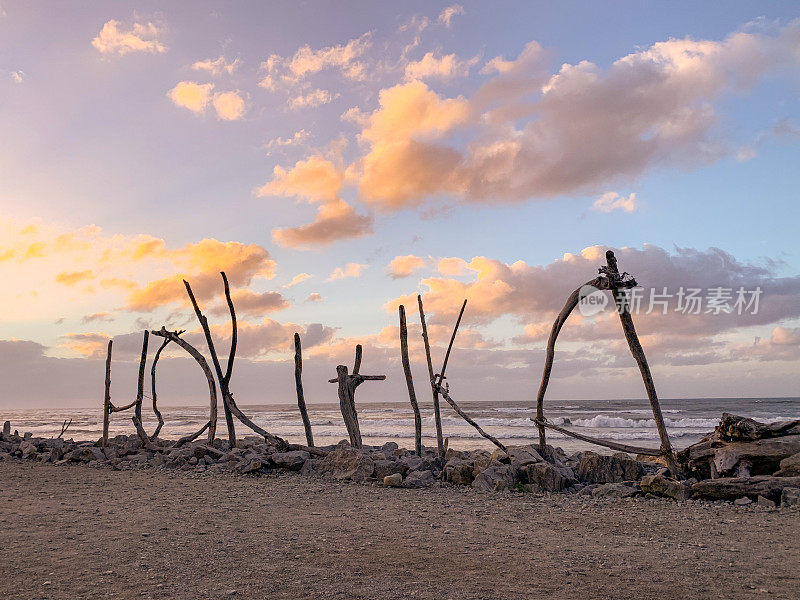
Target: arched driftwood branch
x=175 y=337
x=610 y=279
x=153 y=389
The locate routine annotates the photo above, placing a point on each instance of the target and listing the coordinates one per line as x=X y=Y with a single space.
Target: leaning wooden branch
x=445 y=392
x=437 y=416
x=64 y=428
x=140 y=388
x=599 y=442
x=409 y=381
x=107 y=397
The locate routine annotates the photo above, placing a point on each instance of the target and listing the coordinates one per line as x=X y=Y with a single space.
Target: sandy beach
x=84 y=532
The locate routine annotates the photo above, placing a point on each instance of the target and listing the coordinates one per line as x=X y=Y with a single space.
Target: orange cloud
x=86 y=344
x=350 y=270
x=405 y=266
x=251 y=303
x=141 y=37
x=75 y=277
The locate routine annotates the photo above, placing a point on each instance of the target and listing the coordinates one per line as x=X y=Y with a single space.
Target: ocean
x=626 y=421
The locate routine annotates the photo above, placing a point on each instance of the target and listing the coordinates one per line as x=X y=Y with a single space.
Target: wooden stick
x=175 y=337
x=638 y=354
x=446 y=395
x=591 y=440
x=64 y=428
x=409 y=380
x=450 y=345
x=298 y=380
x=113 y=409
x=234 y=329
x=107 y=398
x=434 y=392
x=357 y=361
x=192 y=436
x=140 y=388
x=217 y=368
x=153 y=389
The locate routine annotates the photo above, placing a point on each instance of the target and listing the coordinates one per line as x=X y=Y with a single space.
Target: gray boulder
x=790 y=467
x=419 y=479
x=658 y=485
x=546 y=477
x=597 y=468
x=293 y=460
x=347 y=463
x=459 y=471
x=28 y=450
x=614 y=490
x=790 y=496
x=385 y=467
x=393 y=480
x=495 y=477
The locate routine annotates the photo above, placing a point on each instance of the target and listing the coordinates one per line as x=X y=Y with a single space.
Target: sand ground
x=79 y=532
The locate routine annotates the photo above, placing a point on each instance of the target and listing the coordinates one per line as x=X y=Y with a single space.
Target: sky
x=337 y=160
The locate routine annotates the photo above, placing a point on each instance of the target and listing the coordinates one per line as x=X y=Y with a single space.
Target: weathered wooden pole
x=437 y=416
x=153 y=389
x=107 y=398
x=637 y=351
x=298 y=380
x=347 y=395
x=409 y=381
x=137 y=410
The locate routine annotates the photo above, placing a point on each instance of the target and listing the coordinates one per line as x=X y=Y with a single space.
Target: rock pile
x=521 y=468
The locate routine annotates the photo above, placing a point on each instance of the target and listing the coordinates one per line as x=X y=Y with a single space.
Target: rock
x=546 y=477
x=412 y=462
x=765 y=502
x=387 y=467
x=459 y=471
x=744 y=501
x=481 y=460
x=250 y=465
x=523 y=455
x=451 y=453
x=293 y=459
x=28 y=450
x=736 y=428
x=596 y=468
x=658 y=485
x=614 y=490
x=790 y=467
x=494 y=478
x=87 y=454
x=790 y=496
x=388 y=448
x=393 y=480
x=193 y=461
x=730 y=488
x=419 y=479
x=348 y=463
x=7 y=428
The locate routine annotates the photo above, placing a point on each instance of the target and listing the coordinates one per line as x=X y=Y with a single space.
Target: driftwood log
x=347 y=395
x=437 y=416
x=140 y=387
x=731 y=488
x=741 y=447
x=64 y=428
x=107 y=397
x=298 y=380
x=154 y=395
x=108 y=406
x=410 y=381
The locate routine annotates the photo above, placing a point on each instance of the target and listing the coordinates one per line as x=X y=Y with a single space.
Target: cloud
x=445 y=68
x=98 y=316
x=344 y=58
x=452 y=266
x=217 y=66
x=249 y=303
x=447 y=15
x=314 y=297
x=405 y=266
x=17 y=76
x=74 y=277
x=350 y=270
x=312 y=99
x=531 y=132
x=316 y=180
x=297 y=139
x=141 y=37
x=611 y=201
x=229 y=106
x=298 y=279
x=85 y=344
x=191 y=95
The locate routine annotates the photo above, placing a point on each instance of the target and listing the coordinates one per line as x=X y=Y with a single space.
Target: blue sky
x=93 y=137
